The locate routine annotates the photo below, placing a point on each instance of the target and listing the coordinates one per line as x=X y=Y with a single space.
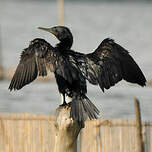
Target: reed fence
x=36 y=133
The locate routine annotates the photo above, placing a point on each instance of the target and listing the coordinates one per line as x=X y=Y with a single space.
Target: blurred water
x=44 y=98
x=130 y=24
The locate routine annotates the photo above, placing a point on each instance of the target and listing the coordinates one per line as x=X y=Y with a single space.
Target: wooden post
x=1 y=60
x=66 y=130
x=98 y=138
x=61 y=11
x=139 y=126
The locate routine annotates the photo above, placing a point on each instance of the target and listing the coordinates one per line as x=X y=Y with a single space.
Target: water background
x=130 y=24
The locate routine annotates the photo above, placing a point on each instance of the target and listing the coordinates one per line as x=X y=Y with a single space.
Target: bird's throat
x=65 y=44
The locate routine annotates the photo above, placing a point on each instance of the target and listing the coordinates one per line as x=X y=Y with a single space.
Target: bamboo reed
x=36 y=133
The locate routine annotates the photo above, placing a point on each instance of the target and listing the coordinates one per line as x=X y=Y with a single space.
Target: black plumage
x=106 y=66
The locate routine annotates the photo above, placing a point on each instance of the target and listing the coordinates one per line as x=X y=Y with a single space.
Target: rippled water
x=130 y=24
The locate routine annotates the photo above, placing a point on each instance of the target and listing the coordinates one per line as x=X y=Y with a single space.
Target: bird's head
x=62 y=33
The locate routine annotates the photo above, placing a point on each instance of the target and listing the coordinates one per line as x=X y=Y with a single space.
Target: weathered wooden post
x=67 y=131
x=139 y=126
x=61 y=11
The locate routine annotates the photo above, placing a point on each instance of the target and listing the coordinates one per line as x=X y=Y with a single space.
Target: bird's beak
x=48 y=30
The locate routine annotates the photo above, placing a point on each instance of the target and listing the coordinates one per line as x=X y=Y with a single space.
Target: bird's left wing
x=34 y=61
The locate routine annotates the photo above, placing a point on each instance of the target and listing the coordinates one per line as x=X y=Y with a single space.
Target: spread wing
x=109 y=64
x=34 y=61
x=39 y=57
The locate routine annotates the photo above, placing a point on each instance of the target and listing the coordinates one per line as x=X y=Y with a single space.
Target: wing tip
x=11 y=88
x=143 y=84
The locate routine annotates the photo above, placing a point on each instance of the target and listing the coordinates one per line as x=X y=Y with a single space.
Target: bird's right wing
x=109 y=64
x=34 y=61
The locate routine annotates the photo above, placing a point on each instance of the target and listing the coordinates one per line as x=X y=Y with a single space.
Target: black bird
x=106 y=66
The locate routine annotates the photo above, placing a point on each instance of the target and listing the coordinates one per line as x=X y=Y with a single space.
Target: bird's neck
x=65 y=44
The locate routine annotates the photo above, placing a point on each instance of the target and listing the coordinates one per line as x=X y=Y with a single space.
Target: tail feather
x=82 y=108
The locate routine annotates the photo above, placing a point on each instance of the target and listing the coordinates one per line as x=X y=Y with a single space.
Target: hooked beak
x=48 y=30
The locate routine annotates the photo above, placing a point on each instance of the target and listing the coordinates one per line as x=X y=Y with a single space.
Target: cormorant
x=106 y=66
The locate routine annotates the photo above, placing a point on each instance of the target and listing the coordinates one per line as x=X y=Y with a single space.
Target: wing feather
x=117 y=64
x=109 y=64
x=32 y=63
